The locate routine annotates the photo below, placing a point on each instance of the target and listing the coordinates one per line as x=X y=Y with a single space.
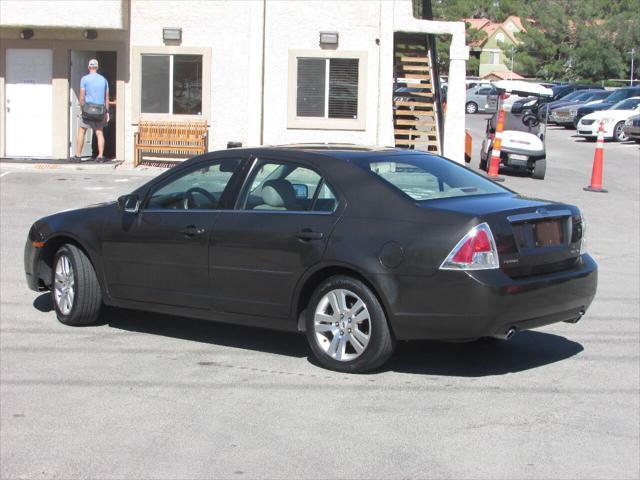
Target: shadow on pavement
x=202 y=331
x=43 y=303
x=526 y=350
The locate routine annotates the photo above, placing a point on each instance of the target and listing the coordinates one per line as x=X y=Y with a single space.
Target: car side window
x=200 y=188
x=287 y=187
x=484 y=91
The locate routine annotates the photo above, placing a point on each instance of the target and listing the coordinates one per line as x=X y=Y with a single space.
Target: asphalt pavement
x=150 y=396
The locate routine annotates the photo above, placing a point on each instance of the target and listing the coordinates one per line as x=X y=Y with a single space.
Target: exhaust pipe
x=505 y=336
x=577 y=319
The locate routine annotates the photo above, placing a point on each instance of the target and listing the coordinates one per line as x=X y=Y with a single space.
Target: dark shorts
x=91 y=124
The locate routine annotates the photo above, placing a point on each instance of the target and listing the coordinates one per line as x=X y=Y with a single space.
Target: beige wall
x=220 y=30
x=61 y=42
x=104 y=14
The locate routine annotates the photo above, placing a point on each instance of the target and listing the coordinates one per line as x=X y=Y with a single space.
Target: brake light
x=475 y=251
x=583 y=240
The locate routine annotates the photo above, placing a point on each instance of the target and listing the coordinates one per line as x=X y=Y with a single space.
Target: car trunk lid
x=533 y=237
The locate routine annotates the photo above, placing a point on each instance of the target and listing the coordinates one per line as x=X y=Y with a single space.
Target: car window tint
x=326 y=200
x=427 y=177
x=196 y=189
x=484 y=91
x=281 y=186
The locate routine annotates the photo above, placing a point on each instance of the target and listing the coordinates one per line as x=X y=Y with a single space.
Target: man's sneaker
x=75 y=159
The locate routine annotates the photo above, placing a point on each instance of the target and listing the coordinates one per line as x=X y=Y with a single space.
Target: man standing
x=94 y=95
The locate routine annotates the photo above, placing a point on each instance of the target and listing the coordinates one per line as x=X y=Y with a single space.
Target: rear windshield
x=428 y=177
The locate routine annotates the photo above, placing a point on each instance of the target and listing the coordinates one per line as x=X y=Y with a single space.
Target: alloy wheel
x=342 y=325
x=64 y=285
x=619 y=133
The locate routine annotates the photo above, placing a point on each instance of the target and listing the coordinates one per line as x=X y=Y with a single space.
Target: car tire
x=75 y=291
x=619 y=134
x=539 y=169
x=346 y=326
x=471 y=107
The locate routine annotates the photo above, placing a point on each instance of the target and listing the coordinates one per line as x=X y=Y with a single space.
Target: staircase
x=415 y=116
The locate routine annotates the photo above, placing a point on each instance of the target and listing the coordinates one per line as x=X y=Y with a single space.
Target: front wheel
x=346 y=326
x=540 y=169
x=75 y=291
x=471 y=107
x=618 y=132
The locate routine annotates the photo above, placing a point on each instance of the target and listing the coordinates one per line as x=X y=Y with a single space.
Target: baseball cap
x=93 y=63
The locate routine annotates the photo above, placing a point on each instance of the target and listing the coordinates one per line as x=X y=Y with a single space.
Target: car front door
x=278 y=229
x=160 y=254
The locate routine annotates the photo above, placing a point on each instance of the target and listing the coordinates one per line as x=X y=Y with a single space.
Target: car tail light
x=583 y=239
x=475 y=251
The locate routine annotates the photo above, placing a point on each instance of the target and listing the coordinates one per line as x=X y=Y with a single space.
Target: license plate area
x=518 y=159
x=546 y=233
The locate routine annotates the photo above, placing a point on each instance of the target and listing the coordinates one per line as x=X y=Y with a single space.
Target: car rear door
x=160 y=255
x=260 y=249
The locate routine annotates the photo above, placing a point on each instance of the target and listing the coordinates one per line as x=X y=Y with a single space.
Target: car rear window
x=425 y=177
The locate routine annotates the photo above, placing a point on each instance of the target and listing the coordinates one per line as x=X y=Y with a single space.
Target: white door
x=29 y=99
x=78 y=69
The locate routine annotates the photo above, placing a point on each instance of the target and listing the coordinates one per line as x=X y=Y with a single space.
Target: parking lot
x=149 y=396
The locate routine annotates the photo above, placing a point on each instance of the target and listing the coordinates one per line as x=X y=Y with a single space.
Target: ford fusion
x=356 y=247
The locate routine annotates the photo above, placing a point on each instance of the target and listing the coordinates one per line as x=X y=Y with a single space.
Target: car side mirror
x=301 y=190
x=129 y=203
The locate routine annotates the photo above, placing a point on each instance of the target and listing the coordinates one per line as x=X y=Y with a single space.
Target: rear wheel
x=540 y=169
x=346 y=326
x=471 y=107
x=618 y=133
x=75 y=291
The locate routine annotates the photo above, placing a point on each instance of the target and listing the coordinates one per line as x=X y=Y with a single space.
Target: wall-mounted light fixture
x=172 y=34
x=26 y=34
x=90 y=34
x=329 y=39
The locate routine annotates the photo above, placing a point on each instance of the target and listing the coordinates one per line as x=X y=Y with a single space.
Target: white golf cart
x=523 y=146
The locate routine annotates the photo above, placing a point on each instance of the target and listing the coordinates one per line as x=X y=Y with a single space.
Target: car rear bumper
x=458 y=305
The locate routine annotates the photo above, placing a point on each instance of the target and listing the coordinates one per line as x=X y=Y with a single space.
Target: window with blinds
x=327 y=88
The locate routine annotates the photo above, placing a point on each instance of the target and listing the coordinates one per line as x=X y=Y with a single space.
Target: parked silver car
x=481 y=99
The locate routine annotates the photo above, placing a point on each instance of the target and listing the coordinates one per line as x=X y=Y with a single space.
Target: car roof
x=344 y=151
x=338 y=151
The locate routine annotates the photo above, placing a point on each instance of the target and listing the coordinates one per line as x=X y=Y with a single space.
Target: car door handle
x=308 y=234
x=192 y=230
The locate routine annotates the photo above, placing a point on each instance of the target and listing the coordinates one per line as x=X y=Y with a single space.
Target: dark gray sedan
x=358 y=247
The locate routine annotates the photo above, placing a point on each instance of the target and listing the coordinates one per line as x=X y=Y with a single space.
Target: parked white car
x=612 y=120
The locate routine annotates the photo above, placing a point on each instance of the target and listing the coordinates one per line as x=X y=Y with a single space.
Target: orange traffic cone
x=596 y=174
x=494 y=161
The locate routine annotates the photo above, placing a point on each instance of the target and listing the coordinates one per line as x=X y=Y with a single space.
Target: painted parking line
x=3 y=174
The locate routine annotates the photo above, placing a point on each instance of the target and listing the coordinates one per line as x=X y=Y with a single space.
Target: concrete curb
x=103 y=168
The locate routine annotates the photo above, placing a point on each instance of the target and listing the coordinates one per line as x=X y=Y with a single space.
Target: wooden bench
x=169 y=139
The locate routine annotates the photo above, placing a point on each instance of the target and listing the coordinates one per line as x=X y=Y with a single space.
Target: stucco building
x=257 y=71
